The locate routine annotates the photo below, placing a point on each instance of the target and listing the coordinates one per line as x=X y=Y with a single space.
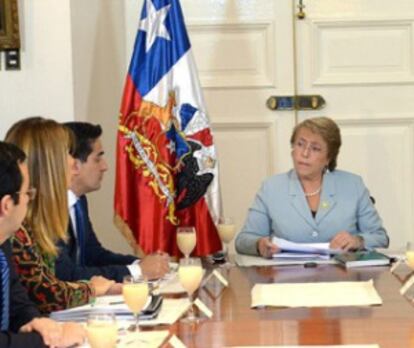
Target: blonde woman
x=47 y=145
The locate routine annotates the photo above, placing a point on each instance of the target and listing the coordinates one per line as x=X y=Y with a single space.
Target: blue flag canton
x=149 y=64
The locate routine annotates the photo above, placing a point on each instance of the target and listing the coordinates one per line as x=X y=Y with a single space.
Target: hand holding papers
x=304 y=248
x=293 y=253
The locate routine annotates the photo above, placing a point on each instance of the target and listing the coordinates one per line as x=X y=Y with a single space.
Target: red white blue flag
x=167 y=169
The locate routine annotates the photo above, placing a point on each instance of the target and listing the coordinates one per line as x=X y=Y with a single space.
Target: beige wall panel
x=380 y=151
x=242 y=54
x=246 y=158
x=362 y=51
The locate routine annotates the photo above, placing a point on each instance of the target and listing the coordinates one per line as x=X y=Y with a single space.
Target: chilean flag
x=167 y=169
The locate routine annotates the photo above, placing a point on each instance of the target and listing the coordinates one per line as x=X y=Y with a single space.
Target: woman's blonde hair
x=328 y=130
x=47 y=145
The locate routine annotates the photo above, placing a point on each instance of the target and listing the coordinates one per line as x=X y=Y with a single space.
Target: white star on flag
x=171 y=147
x=154 y=25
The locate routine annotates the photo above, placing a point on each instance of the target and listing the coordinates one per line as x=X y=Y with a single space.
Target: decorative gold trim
x=9 y=25
x=129 y=236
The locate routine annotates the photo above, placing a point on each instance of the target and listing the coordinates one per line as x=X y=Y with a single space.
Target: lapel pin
x=325 y=205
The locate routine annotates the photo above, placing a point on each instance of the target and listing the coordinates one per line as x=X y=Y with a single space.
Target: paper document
x=313 y=248
x=325 y=294
x=171 y=311
x=324 y=346
x=171 y=285
x=252 y=261
x=300 y=256
x=290 y=255
x=114 y=304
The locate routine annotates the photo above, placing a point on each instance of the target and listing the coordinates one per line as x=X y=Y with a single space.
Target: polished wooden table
x=390 y=325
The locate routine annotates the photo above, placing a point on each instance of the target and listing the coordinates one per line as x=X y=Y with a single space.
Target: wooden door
x=243 y=57
x=359 y=55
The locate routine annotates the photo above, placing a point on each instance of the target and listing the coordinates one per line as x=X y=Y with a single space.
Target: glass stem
x=191 y=314
x=226 y=251
x=137 y=322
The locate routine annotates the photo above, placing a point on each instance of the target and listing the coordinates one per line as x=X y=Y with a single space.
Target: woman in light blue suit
x=313 y=202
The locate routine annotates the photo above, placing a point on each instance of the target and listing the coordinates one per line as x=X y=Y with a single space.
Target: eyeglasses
x=312 y=148
x=31 y=193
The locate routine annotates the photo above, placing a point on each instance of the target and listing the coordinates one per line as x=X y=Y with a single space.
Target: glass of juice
x=190 y=274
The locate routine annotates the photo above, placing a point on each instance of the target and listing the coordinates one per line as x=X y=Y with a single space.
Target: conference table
x=235 y=323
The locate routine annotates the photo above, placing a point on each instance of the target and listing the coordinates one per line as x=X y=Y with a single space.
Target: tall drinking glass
x=226 y=229
x=190 y=274
x=186 y=240
x=135 y=293
x=102 y=330
x=409 y=254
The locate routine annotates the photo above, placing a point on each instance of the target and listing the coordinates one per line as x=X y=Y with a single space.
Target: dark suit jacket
x=98 y=260
x=22 y=310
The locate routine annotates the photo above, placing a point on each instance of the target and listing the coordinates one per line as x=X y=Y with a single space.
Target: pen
x=117 y=302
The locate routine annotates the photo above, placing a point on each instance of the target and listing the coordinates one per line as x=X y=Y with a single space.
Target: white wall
x=99 y=68
x=73 y=67
x=44 y=85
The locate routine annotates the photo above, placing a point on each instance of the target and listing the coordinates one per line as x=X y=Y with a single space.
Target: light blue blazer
x=280 y=208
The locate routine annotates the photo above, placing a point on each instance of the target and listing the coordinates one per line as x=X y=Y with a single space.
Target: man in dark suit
x=21 y=324
x=83 y=256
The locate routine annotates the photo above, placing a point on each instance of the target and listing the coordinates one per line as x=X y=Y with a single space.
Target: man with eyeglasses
x=21 y=324
x=83 y=256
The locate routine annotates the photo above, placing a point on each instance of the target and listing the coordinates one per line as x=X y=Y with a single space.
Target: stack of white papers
x=171 y=285
x=114 y=304
x=171 y=311
x=317 y=249
x=291 y=252
x=253 y=261
x=287 y=255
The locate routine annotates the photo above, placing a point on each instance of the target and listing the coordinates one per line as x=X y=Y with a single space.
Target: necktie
x=80 y=231
x=5 y=289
